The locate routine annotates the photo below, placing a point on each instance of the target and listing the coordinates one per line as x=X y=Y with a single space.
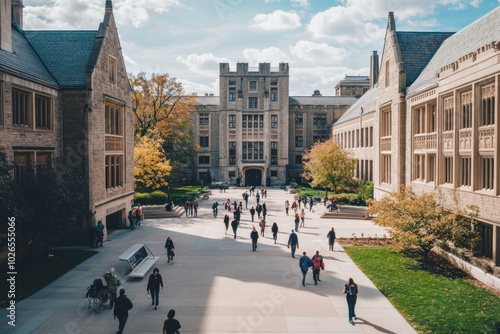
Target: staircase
x=347 y=212
x=158 y=211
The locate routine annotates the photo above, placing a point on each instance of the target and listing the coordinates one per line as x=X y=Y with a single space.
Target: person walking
x=262 y=225
x=154 y=283
x=310 y=204
x=112 y=284
x=264 y=210
x=234 y=225
x=274 y=229
x=304 y=264
x=171 y=325
x=195 y=206
x=287 y=206
x=192 y=206
x=122 y=306
x=254 y=236
x=169 y=246
x=293 y=242
x=215 y=208
x=246 y=200
x=302 y=217
x=259 y=210
x=131 y=220
x=331 y=238
x=187 y=207
x=252 y=213
x=100 y=233
x=226 y=222
x=317 y=261
x=257 y=197
x=294 y=206
x=351 y=291
x=297 y=221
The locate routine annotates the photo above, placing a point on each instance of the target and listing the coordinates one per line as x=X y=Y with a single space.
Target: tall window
x=204 y=141
x=419 y=164
x=232 y=94
x=274 y=153
x=21 y=108
x=274 y=121
x=113 y=171
x=431 y=176
x=1 y=104
x=387 y=74
x=420 y=120
x=431 y=119
x=371 y=136
x=232 y=153
x=43 y=112
x=252 y=85
x=488 y=105
x=386 y=123
x=22 y=162
x=319 y=120
x=252 y=102
x=204 y=119
x=448 y=114
x=112 y=70
x=466 y=110
x=299 y=141
x=466 y=171
x=299 y=120
x=114 y=120
x=232 y=121
x=274 y=94
x=204 y=160
x=448 y=170
x=252 y=150
x=487 y=173
x=385 y=172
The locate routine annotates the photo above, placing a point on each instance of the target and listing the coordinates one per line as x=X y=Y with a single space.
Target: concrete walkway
x=217 y=284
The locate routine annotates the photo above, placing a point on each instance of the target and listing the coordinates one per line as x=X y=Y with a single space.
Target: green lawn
x=310 y=192
x=187 y=191
x=35 y=276
x=432 y=295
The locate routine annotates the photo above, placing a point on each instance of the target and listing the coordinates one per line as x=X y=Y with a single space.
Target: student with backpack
x=317 y=262
x=304 y=264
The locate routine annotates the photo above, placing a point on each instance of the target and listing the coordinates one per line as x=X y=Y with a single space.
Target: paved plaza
x=217 y=284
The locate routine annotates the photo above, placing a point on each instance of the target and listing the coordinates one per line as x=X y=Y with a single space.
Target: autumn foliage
x=419 y=221
x=327 y=164
x=151 y=168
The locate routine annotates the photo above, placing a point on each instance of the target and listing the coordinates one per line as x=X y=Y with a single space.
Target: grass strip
x=432 y=295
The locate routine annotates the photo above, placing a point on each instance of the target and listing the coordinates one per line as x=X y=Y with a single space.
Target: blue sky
x=321 y=40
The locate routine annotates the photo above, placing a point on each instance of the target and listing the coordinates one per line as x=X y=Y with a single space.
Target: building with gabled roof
x=65 y=95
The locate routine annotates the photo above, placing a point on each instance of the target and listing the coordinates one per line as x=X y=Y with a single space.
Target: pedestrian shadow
x=302 y=232
x=378 y=328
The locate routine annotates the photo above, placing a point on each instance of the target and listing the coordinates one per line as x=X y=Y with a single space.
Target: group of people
x=191 y=207
x=134 y=217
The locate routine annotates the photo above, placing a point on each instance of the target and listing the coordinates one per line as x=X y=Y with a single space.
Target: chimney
x=5 y=26
x=373 y=69
x=17 y=12
x=109 y=6
x=391 y=23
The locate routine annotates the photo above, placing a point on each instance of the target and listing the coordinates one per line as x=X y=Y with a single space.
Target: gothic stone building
x=65 y=95
x=436 y=119
x=254 y=133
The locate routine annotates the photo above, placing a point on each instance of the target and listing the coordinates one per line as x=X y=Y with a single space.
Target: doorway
x=114 y=220
x=253 y=177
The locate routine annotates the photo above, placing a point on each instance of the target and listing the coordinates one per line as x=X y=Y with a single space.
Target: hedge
x=154 y=198
x=350 y=199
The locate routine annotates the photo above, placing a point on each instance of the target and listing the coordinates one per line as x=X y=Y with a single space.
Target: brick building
x=65 y=95
x=254 y=133
x=436 y=119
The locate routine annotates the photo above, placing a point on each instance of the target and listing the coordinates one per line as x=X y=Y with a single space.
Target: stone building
x=435 y=120
x=254 y=133
x=65 y=95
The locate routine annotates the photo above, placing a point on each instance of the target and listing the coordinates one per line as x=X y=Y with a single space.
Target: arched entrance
x=253 y=177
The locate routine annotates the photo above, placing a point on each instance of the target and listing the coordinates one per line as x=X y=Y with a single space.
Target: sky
x=322 y=40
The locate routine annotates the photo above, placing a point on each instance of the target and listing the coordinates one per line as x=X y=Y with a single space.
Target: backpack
x=95 y=287
x=317 y=262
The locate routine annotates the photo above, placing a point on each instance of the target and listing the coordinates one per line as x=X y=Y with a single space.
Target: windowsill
x=114 y=189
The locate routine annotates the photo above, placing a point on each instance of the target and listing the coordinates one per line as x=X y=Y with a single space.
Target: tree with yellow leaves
x=419 y=221
x=151 y=167
x=328 y=164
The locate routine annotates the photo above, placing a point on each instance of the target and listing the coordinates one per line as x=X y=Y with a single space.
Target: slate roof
x=356 y=78
x=24 y=61
x=322 y=100
x=417 y=49
x=208 y=100
x=65 y=53
x=477 y=34
x=367 y=102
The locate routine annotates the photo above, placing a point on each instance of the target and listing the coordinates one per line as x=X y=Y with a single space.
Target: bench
x=140 y=259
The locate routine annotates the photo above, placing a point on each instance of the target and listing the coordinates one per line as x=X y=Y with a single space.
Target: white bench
x=140 y=259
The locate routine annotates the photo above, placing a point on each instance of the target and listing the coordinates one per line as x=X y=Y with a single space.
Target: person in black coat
x=234 y=225
x=254 y=235
x=169 y=246
x=351 y=291
x=122 y=306
x=226 y=222
x=331 y=238
x=274 y=229
x=252 y=212
x=171 y=325
x=154 y=283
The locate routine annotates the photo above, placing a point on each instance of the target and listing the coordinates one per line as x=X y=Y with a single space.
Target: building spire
x=109 y=5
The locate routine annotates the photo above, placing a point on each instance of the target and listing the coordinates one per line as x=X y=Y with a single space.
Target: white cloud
x=82 y=14
x=200 y=88
x=271 y=55
x=318 y=53
x=302 y=3
x=460 y=4
x=205 y=64
x=277 y=20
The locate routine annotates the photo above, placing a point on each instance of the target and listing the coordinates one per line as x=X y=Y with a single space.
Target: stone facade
x=251 y=133
x=352 y=86
x=86 y=120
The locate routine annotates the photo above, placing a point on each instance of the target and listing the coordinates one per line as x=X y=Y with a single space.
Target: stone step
x=158 y=211
x=339 y=215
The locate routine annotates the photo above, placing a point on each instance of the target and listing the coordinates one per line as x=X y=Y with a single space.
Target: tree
x=151 y=167
x=327 y=164
x=418 y=221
